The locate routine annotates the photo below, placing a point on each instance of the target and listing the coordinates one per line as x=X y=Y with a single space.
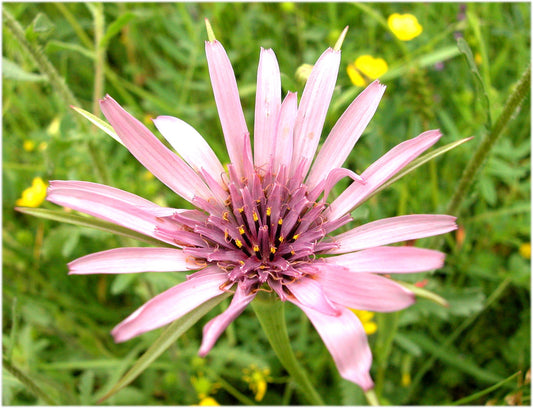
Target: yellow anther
x=295 y=236
x=269 y=211
x=225 y=216
x=256 y=248
x=241 y=262
x=256 y=218
x=241 y=210
x=241 y=230
x=273 y=249
x=280 y=221
x=280 y=239
x=292 y=252
x=238 y=243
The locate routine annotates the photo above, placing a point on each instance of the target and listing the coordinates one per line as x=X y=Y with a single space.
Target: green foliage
x=56 y=327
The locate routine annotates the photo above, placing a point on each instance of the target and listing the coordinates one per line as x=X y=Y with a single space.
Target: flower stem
x=270 y=312
x=520 y=92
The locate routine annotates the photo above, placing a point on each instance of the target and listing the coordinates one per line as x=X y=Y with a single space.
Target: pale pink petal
x=229 y=108
x=109 y=204
x=313 y=108
x=363 y=291
x=215 y=327
x=171 y=304
x=335 y=176
x=130 y=260
x=392 y=230
x=346 y=133
x=283 y=144
x=309 y=293
x=267 y=105
x=380 y=171
x=345 y=338
x=398 y=259
x=190 y=145
x=152 y=154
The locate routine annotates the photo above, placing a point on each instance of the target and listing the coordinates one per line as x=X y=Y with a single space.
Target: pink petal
x=400 y=259
x=110 y=204
x=171 y=304
x=313 y=107
x=229 y=108
x=130 y=260
x=267 y=105
x=391 y=230
x=283 y=144
x=335 y=176
x=346 y=133
x=152 y=154
x=345 y=338
x=190 y=145
x=363 y=291
x=309 y=293
x=215 y=327
x=381 y=171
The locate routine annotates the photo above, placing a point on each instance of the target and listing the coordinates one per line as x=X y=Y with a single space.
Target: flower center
x=266 y=233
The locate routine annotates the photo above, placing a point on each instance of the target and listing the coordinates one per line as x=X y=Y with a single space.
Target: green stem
x=520 y=92
x=59 y=85
x=270 y=312
x=28 y=382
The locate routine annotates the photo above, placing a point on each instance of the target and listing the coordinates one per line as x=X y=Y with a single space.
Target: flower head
x=265 y=224
x=404 y=26
x=33 y=196
x=365 y=68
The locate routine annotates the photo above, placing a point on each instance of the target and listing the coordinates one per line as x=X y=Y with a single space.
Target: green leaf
x=106 y=127
x=419 y=162
x=10 y=70
x=164 y=341
x=115 y=27
x=481 y=90
x=54 y=46
x=90 y=222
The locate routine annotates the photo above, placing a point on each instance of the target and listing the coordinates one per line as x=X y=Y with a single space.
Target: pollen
x=225 y=216
x=256 y=218
x=268 y=211
x=295 y=236
x=238 y=243
x=241 y=230
x=273 y=249
x=256 y=248
x=280 y=221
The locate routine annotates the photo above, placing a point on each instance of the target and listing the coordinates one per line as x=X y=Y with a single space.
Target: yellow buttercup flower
x=525 y=250
x=208 y=401
x=404 y=26
x=257 y=380
x=366 y=68
x=28 y=145
x=366 y=320
x=33 y=196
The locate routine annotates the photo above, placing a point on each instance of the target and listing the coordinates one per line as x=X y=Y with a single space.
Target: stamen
x=238 y=243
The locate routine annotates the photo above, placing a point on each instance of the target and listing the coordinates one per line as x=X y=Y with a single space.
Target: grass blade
x=169 y=336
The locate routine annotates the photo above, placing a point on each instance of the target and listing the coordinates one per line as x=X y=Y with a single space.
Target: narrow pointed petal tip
x=210 y=32
x=339 y=42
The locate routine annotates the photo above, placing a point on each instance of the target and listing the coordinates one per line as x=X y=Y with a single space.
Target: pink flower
x=264 y=224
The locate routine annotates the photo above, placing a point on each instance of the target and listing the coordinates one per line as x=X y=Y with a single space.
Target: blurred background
x=455 y=73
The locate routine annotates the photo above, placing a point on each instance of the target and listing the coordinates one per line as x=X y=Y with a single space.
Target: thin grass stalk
x=472 y=168
x=57 y=82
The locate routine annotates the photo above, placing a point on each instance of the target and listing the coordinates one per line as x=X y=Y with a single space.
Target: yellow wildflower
x=366 y=320
x=257 y=380
x=404 y=26
x=208 y=401
x=365 y=69
x=28 y=145
x=477 y=58
x=33 y=196
x=525 y=250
